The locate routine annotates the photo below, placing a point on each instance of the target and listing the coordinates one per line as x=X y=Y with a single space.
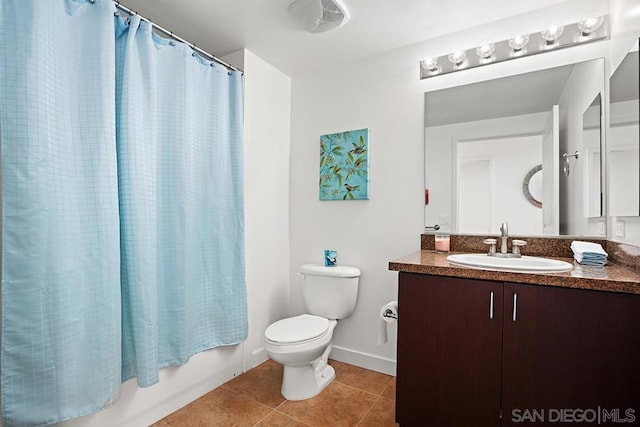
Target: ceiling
x=265 y=28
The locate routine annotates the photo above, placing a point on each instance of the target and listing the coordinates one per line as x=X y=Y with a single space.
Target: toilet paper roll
x=388 y=314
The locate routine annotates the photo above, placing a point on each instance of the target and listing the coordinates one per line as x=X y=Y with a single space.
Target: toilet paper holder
x=389 y=314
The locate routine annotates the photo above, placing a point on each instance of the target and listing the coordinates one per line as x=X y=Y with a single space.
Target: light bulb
x=519 y=42
x=486 y=50
x=457 y=58
x=590 y=25
x=431 y=64
x=552 y=32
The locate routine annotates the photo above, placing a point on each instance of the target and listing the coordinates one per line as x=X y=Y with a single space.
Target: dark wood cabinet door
x=568 y=349
x=449 y=351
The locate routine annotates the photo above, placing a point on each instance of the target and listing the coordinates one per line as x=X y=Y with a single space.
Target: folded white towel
x=587 y=248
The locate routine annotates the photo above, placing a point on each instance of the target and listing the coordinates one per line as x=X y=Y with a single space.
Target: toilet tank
x=330 y=292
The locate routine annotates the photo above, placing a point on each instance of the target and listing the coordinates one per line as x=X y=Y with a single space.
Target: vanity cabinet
x=481 y=353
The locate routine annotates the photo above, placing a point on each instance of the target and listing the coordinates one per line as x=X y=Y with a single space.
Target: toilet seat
x=297 y=330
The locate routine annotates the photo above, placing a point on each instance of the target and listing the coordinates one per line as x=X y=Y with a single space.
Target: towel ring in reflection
x=566 y=166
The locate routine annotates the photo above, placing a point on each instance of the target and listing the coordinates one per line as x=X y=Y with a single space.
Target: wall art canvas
x=344 y=165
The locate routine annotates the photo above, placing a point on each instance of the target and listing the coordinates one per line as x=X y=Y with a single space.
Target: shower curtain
x=179 y=133
x=122 y=220
x=60 y=231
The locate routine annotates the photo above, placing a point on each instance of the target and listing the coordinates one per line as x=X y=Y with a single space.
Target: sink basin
x=524 y=264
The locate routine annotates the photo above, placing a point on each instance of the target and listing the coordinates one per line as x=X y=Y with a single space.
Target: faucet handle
x=492 y=245
x=516 y=244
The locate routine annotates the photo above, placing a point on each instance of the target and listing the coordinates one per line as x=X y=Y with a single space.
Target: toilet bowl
x=303 y=343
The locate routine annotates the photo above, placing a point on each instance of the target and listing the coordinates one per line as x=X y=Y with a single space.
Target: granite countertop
x=611 y=278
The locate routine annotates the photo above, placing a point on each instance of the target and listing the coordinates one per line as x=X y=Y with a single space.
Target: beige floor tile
x=261 y=383
x=390 y=391
x=218 y=408
x=278 y=419
x=357 y=397
x=363 y=379
x=337 y=405
x=381 y=414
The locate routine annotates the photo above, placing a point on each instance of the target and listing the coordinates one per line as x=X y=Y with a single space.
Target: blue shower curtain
x=61 y=330
x=122 y=207
x=179 y=133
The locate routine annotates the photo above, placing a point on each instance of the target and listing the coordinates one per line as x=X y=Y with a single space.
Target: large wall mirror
x=495 y=151
x=624 y=139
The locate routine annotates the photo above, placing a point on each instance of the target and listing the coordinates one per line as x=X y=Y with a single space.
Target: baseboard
x=364 y=360
x=184 y=397
x=257 y=357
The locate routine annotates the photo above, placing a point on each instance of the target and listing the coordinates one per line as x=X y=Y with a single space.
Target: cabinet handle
x=491 y=307
x=515 y=306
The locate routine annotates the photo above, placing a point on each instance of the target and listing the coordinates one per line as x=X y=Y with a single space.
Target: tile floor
x=357 y=397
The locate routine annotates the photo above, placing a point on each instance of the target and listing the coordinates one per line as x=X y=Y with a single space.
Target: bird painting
x=344 y=165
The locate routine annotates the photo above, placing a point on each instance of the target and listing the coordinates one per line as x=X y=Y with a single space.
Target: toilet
x=303 y=343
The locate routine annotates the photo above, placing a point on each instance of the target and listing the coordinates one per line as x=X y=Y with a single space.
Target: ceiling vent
x=319 y=16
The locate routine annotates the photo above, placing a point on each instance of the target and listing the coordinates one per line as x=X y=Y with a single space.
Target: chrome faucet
x=504 y=231
x=504 y=236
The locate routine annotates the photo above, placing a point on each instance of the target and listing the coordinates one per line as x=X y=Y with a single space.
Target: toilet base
x=306 y=381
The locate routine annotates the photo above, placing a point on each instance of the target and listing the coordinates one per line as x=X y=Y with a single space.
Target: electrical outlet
x=602 y=228
x=620 y=228
x=444 y=220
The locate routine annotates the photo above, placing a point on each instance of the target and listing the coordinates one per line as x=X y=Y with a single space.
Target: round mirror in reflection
x=532 y=186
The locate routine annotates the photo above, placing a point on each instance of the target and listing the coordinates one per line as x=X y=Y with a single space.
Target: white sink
x=524 y=264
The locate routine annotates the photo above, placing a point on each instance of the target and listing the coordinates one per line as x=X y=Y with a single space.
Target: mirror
x=592 y=143
x=484 y=142
x=624 y=139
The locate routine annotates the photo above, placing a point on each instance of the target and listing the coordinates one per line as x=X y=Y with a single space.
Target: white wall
x=266 y=152
x=384 y=93
x=584 y=83
x=266 y=145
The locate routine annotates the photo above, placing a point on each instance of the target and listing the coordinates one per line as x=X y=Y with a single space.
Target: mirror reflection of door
x=489 y=190
x=475 y=194
x=550 y=174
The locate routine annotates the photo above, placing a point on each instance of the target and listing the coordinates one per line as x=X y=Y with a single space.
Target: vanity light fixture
x=589 y=25
x=566 y=166
x=485 y=51
x=431 y=64
x=518 y=43
x=555 y=36
x=552 y=33
x=457 y=58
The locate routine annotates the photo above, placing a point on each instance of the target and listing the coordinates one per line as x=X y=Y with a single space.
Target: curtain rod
x=180 y=39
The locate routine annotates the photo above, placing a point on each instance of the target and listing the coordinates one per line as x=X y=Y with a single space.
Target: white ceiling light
x=319 y=16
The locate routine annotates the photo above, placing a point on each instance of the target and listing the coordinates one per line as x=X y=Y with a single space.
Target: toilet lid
x=295 y=329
